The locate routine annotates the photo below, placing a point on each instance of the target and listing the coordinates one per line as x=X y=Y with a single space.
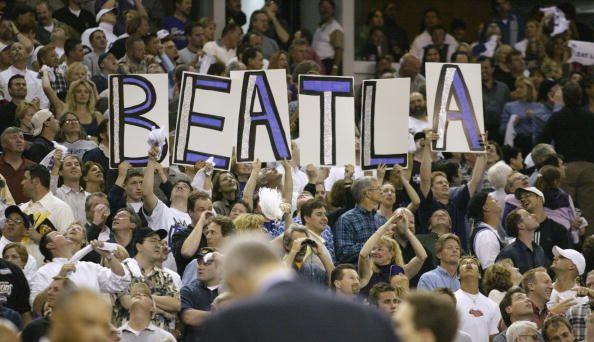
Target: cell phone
x=395 y=270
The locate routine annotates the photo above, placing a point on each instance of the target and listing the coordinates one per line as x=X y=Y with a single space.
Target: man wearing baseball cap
x=14 y=230
x=568 y=264
x=549 y=232
x=45 y=129
x=106 y=19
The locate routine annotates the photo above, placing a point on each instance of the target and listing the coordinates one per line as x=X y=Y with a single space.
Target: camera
x=309 y=242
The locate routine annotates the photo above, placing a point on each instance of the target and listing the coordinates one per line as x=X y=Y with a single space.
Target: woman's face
x=82 y=94
x=27 y=116
x=71 y=124
x=75 y=234
x=521 y=90
x=236 y=210
x=492 y=156
x=209 y=31
x=95 y=175
x=79 y=74
x=388 y=194
x=283 y=61
x=432 y=56
x=537 y=78
x=517 y=163
x=381 y=255
x=377 y=19
x=14 y=257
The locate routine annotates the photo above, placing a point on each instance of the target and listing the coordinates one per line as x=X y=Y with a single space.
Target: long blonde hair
x=394 y=248
x=70 y=100
x=531 y=93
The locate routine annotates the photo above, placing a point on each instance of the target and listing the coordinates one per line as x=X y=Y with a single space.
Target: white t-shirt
x=479 y=316
x=557 y=297
x=321 y=39
x=415 y=125
x=486 y=246
x=220 y=52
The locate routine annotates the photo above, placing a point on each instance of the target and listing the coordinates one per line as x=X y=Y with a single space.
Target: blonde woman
x=522 y=111
x=249 y=223
x=380 y=259
x=23 y=115
x=74 y=72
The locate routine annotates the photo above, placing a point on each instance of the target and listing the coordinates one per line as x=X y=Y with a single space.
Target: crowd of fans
x=457 y=247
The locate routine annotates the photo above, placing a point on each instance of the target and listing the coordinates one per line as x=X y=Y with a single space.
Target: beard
x=418 y=110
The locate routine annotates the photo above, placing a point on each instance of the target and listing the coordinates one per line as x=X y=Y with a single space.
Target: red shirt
x=14 y=179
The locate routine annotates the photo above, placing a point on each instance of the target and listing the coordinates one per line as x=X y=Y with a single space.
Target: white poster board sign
x=581 y=52
x=326 y=120
x=455 y=106
x=138 y=104
x=384 y=122
x=206 y=121
x=263 y=115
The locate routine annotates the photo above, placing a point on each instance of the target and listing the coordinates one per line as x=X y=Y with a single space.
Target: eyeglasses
x=17 y=221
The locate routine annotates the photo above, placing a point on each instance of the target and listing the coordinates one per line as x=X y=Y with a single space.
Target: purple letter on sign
x=451 y=85
x=256 y=90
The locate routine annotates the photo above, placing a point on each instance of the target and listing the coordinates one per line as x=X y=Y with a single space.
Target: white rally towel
x=510 y=131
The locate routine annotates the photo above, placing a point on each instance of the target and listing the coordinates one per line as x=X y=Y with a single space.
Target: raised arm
x=288 y=184
x=413 y=267
x=426 y=163
x=148 y=196
x=478 y=171
x=192 y=242
x=282 y=34
x=250 y=185
x=59 y=106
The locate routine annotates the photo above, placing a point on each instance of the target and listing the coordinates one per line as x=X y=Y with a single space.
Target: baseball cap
x=576 y=257
x=162 y=34
x=15 y=209
x=103 y=11
x=145 y=232
x=38 y=119
x=4 y=46
x=102 y=57
x=520 y=191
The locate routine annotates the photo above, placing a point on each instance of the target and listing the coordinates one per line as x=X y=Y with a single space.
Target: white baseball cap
x=38 y=119
x=103 y=11
x=531 y=189
x=576 y=257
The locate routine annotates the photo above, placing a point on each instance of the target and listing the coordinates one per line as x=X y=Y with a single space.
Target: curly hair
x=249 y=223
x=497 y=277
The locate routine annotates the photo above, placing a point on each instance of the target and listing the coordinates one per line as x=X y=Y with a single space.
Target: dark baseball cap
x=15 y=209
x=145 y=232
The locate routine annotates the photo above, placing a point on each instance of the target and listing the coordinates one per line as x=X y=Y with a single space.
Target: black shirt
x=7 y=115
x=524 y=258
x=84 y=20
x=39 y=148
x=195 y=296
x=14 y=287
x=571 y=129
x=177 y=242
x=36 y=330
x=551 y=233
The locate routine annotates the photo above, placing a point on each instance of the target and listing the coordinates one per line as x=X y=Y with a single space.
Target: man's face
x=431 y=19
x=196 y=39
x=207 y=271
x=122 y=221
x=27 y=184
x=561 y=263
x=98 y=41
x=255 y=41
x=71 y=168
x=142 y=299
x=529 y=220
x=109 y=64
x=438 y=37
x=486 y=70
x=133 y=188
x=417 y=101
x=440 y=218
x=320 y=191
x=150 y=247
x=75 y=233
x=91 y=321
x=14 y=142
x=298 y=53
x=17 y=52
x=326 y=10
x=54 y=291
x=181 y=190
x=530 y=201
x=52 y=124
x=450 y=254
x=520 y=305
x=200 y=206
x=44 y=16
x=171 y=50
x=468 y=268
x=349 y=284
x=374 y=192
x=18 y=88
x=184 y=6
x=58 y=240
x=491 y=205
x=388 y=302
x=138 y=51
x=14 y=228
x=559 y=333
x=214 y=235
x=590 y=284
x=301 y=254
x=78 y=53
x=93 y=203
x=260 y=23
x=404 y=322
x=318 y=220
x=234 y=5
x=440 y=186
x=543 y=285
x=517 y=63
x=51 y=58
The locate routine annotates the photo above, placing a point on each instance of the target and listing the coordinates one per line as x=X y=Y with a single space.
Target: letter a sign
x=454 y=104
